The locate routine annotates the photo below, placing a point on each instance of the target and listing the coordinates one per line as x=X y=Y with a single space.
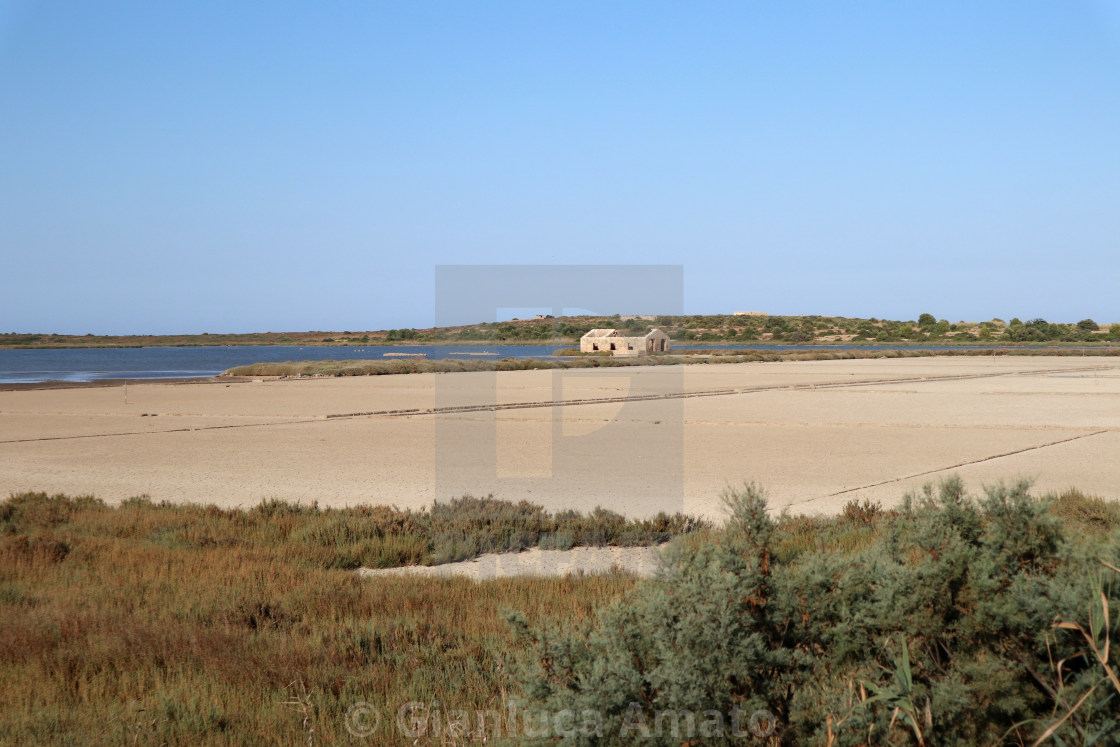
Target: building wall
x=620 y=343
x=587 y=344
x=657 y=336
x=625 y=347
x=630 y=346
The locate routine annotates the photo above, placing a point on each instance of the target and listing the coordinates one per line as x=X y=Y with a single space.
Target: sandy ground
x=637 y=440
x=641 y=561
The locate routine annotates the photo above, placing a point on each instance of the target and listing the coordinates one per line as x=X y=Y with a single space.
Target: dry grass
x=182 y=625
x=344 y=538
x=1085 y=513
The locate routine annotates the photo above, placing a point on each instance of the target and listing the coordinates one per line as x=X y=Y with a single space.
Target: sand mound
x=641 y=561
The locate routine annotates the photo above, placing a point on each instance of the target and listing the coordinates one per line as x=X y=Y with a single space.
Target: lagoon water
x=93 y=364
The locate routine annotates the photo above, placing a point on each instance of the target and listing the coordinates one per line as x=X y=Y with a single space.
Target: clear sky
x=252 y=166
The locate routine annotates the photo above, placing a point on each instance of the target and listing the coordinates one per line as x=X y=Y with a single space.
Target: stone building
x=613 y=341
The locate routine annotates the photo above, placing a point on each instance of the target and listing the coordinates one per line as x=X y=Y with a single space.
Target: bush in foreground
x=952 y=621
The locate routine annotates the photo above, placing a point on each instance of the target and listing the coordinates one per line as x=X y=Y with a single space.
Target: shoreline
x=318 y=369
x=374 y=367
x=103 y=383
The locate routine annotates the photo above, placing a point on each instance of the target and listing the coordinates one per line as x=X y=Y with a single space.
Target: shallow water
x=93 y=364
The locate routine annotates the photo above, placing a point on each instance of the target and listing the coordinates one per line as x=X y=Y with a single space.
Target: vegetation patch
x=154 y=623
x=372 y=536
x=187 y=626
x=949 y=621
x=297 y=369
x=713 y=328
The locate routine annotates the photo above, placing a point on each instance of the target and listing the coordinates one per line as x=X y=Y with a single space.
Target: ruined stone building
x=614 y=342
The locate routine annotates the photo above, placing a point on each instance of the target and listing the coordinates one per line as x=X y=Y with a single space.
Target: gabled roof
x=603 y=333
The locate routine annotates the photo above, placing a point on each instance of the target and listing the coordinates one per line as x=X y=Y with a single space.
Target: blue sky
x=233 y=166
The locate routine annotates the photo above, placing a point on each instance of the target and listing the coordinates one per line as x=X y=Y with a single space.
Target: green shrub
x=939 y=627
x=862 y=514
x=1086 y=513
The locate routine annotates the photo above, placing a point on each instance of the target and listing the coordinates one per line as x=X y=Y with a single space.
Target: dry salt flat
x=636 y=440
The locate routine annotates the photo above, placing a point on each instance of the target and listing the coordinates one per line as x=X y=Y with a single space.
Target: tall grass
x=373 y=536
x=160 y=624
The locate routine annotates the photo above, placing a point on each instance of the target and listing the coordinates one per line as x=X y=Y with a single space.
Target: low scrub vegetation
x=177 y=624
x=369 y=535
x=950 y=621
x=598 y=360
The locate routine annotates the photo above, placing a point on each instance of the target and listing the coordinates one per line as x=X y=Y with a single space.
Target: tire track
x=156 y=433
x=952 y=467
x=455 y=409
